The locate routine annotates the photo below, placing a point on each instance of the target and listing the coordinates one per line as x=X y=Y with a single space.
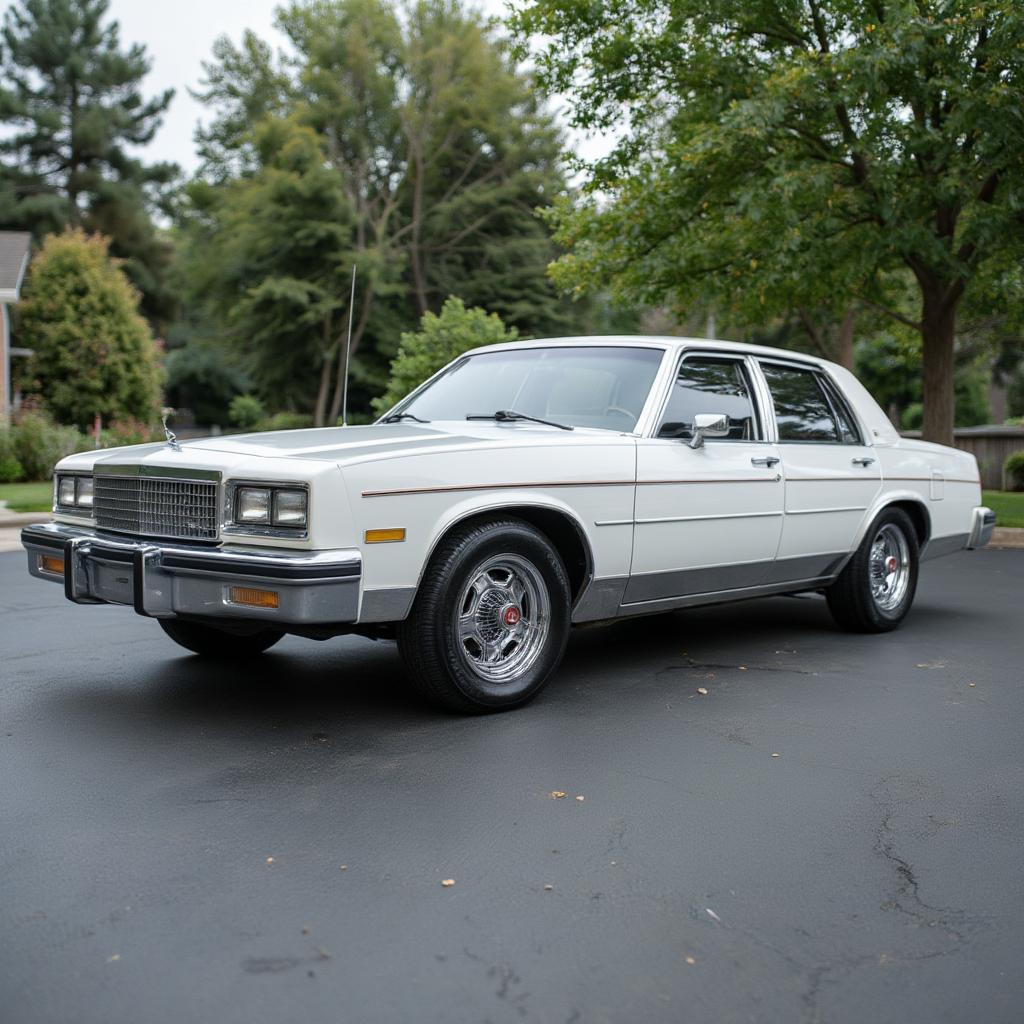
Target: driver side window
x=710 y=384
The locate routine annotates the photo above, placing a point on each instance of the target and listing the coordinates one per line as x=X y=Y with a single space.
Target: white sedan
x=522 y=489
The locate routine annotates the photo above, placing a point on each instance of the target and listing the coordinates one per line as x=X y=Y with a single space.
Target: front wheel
x=491 y=619
x=873 y=594
x=218 y=643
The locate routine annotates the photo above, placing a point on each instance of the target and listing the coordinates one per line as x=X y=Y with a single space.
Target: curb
x=1007 y=537
x=28 y=518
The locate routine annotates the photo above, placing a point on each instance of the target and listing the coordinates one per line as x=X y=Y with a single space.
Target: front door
x=832 y=477
x=707 y=520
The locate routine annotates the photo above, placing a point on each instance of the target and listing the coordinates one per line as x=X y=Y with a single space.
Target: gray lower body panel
x=170 y=580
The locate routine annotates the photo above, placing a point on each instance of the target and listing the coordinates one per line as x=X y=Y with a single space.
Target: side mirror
x=708 y=424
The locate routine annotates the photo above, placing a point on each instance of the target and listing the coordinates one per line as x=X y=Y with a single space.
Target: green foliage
x=287 y=421
x=201 y=378
x=246 y=412
x=779 y=156
x=93 y=352
x=403 y=139
x=38 y=444
x=74 y=112
x=1015 y=393
x=1013 y=471
x=439 y=340
x=11 y=468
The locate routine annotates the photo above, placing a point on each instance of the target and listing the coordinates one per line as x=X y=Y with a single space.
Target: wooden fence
x=990 y=446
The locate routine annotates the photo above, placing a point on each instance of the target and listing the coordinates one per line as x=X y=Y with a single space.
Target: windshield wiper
x=510 y=416
x=397 y=417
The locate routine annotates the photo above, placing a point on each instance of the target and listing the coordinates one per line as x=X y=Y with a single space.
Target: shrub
x=439 y=340
x=287 y=421
x=39 y=444
x=129 y=431
x=11 y=470
x=1013 y=471
x=93 y=352
x=246 y=412
x=200 y=378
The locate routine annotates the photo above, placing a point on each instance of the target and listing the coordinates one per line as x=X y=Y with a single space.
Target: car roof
x=654 y=341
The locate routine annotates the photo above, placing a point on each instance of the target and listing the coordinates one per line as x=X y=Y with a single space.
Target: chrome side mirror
x=708 y=424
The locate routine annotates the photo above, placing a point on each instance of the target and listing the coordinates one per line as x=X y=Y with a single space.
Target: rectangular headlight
x=84 y=495
x=66 y=491
x=253 y=505
x=289 y=508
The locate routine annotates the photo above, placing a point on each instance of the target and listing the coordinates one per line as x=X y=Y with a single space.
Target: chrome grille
x=155 y=507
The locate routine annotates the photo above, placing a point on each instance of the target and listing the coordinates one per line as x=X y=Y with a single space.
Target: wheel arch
x=908 y=502
x=561 y=528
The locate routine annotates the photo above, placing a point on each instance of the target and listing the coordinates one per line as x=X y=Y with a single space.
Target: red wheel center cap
x=511 y=616
x=891 y=563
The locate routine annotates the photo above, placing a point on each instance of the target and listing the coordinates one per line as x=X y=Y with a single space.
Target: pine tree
x=71 y=101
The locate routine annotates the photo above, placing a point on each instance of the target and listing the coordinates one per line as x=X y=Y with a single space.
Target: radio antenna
x=348 y=350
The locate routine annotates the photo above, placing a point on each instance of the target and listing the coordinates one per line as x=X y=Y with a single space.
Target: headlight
x=73 y=492
x=285 y=507
x=289 y=508
x=253 y=505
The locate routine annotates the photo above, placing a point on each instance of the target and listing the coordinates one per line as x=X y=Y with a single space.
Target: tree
x=439 y=340
x=93 y=352
x=71 y=98
x=442 y=153
x=271 y=254
x=775 y=154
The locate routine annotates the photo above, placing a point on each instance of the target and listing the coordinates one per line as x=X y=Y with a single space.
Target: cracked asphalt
x=173 y=834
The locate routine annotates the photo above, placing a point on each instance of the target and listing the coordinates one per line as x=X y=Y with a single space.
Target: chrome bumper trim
x=982 y=525
x=174 y=579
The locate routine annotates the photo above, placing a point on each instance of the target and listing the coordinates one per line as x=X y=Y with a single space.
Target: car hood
x=345 y=444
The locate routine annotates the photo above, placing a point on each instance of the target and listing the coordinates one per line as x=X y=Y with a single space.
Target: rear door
x=832 y=476
x=707 y=520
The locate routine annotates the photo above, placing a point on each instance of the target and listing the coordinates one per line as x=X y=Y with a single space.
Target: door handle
x=863 y=460
x=768 y=460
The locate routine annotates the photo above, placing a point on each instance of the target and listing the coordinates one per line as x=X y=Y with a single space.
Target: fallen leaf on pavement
x=776 y=755
x=270 y=860
x=447 y=882
x=690 y=960
x=557 y=794
x=548 y=888
x=702 y=690
x=713 y=915
x=581 y=798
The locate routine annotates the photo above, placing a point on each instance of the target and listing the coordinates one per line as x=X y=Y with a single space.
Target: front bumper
x=167 y=580
x=982 y=525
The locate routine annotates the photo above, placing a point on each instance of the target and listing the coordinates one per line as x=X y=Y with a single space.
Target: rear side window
x=802 y=409
x=708 y=384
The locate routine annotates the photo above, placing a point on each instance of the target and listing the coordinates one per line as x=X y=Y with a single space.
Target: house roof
x=14 y=253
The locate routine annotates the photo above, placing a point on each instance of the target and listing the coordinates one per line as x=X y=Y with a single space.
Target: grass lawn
x=27 y=497
x=1007 y=505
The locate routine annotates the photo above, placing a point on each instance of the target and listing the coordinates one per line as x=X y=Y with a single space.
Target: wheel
x=491 y=619
x=218 y=643
x=876 y=589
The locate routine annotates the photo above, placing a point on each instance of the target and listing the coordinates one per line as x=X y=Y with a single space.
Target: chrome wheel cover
x=889 y=567
x=502 y=618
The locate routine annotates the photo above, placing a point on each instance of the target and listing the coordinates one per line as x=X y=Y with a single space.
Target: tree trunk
x=844 y=348
x=324 y=390
x=938 y=330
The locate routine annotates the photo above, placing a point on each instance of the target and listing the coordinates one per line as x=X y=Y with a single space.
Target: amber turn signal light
x=52 y=563
x=384 y=536
x=255 y=598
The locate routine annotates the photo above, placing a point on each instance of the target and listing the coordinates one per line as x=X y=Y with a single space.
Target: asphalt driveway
x=834 y=832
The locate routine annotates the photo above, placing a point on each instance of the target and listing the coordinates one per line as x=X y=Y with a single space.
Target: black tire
x=852 y=599
x=450 y=670
x=218 y=643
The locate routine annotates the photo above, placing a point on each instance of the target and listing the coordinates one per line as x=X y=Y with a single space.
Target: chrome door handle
x=864 y=460
x=768 y=460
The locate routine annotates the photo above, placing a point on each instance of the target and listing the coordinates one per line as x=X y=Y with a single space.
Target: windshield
x=596 y=386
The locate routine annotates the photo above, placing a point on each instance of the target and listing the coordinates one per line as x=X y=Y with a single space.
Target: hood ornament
x=172 y=440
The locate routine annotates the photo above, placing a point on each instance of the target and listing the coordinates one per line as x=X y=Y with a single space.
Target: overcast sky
x=178 y=36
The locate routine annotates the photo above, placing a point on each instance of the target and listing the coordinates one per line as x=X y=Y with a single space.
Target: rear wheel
x=876 y=589
x=218 y=643
x=491 y=619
